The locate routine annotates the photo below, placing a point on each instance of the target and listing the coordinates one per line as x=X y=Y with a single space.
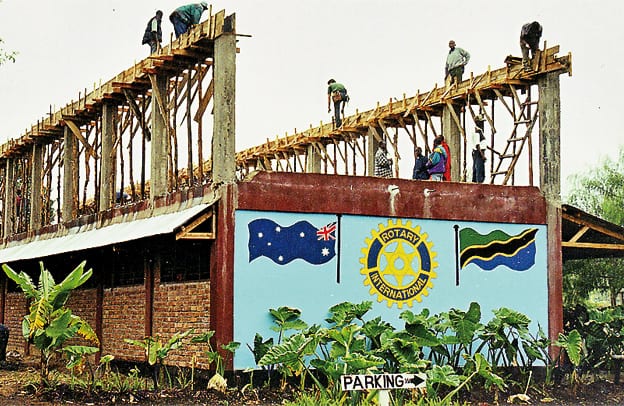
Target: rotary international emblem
x=398 y=263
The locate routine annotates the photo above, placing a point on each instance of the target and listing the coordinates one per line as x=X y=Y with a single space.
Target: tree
x=600 y=192
x=6 y=56
x=49 y=323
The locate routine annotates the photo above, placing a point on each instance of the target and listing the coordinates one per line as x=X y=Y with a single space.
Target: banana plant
x=49 y=323
x=156 y=352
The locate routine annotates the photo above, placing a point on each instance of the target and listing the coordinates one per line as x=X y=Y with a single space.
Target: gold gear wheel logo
x=398 y=263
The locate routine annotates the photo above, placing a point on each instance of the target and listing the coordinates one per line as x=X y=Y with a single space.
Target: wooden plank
x=76 y=131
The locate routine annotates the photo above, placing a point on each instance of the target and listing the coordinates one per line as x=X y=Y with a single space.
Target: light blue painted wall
x=262 y=284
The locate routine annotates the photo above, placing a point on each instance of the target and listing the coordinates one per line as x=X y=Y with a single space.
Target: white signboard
x=382 y=381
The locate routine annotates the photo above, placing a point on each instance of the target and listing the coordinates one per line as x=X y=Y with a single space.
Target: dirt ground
x=14 y=390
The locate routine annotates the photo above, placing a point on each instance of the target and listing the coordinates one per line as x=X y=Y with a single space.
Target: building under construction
x=182 y=231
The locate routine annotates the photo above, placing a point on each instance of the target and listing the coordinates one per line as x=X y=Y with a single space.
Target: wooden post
x=313 y=160
x=107 y=174
x=69 y=163
x=9 y=198
x=452 y=136
x=36 y=197
x=160 y=139
x=223 y=139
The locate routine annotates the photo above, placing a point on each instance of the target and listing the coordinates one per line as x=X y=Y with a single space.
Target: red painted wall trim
x=222 y=272
x=555 y=278
x=294 y=192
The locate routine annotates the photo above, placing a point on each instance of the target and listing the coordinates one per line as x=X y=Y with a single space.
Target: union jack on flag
x=327 y=232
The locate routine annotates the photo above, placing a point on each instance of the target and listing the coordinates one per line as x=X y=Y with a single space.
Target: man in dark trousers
x=337 y=93
x=184 y=17
x=153 y=32
x=529 y=40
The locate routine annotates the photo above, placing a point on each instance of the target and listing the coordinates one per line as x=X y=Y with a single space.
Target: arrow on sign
x=382 y=381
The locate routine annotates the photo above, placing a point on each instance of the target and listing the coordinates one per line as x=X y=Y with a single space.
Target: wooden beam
x=76 y=131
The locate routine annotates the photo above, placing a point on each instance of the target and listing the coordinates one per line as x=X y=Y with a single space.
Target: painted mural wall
x=315 y=261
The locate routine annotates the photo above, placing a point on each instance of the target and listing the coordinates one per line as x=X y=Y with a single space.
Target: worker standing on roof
x=337 y=93
x=530 y=35
x=383 y=163
x=153 y=32
x=184 y=16
x=456 y=59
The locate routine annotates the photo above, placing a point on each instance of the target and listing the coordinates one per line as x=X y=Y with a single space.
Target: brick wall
x=177 y=308
x=123 y=316
x=14 y=312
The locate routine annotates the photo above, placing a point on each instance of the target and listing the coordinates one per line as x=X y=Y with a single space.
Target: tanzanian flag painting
x=497 y=248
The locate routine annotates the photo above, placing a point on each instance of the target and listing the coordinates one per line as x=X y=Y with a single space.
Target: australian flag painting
x=301 y=240
x=517 y=252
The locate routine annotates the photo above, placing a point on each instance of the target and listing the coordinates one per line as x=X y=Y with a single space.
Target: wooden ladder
x=515 y=144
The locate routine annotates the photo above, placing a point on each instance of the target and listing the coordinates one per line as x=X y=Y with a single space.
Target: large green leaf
x=261 y=347
x=573 y=344
x=373 y=329
x=362 y=363
x=444 y=375
x=344 y=313
x=23 y=280
x=61 y=328
x=204 y=337
x=288 y=352
x=466 y=324
x=60 y=292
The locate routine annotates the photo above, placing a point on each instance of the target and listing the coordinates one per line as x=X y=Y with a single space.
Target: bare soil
x=16 y=389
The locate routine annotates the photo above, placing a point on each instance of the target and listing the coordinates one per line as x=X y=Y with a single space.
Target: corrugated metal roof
x=76 y=240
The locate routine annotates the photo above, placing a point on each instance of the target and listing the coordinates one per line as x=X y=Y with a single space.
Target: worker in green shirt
x=337 y=93
x=185 y=16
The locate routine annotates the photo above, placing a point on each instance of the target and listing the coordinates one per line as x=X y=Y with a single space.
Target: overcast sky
x=378 y=48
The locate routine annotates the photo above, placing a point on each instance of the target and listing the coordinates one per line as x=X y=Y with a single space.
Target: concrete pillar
x=452 y=136
x=313 y=160
x=8 y=209
x=160 y=140
x=371 y=148
x=69 y=171
x=36 y=179
x=223 y=145
x=108 y=168
x=549 y=107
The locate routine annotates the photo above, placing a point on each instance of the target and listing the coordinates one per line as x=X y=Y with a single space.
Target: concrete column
x=8 y=209
x=160 y=140
x=549 y=108
x=36 y=179
x=313 y=160
x=452 y=136
x=223 y=146
x=371 y=148
x=108 y=168
x=69 y=170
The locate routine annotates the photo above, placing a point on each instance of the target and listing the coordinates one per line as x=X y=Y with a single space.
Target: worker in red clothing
x=447 y=168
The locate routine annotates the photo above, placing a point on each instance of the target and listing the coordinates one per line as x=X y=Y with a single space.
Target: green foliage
x=213 y=355
x=6 y=56
x=156 y=352
x=602 y=331
x=50 y=324
x=599 y=191
x=436 y=344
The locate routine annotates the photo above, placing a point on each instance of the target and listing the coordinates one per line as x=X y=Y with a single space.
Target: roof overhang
x=586 y=236
x=88 y=236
